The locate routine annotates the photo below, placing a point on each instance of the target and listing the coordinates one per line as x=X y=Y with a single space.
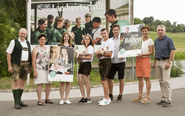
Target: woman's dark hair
x=41 y=35
x=91 y=41
x=57 y=19
x=41 y=21
x=62 y=39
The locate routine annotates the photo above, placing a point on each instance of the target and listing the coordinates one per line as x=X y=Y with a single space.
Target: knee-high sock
x=20 y=91
x=15 y=95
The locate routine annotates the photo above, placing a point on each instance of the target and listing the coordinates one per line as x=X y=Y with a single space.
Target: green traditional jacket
x=34 y=38
x=57 y=35
x=49 y=31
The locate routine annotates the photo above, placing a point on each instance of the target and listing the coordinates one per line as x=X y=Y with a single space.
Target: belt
x=24 y=61
x=161 y=59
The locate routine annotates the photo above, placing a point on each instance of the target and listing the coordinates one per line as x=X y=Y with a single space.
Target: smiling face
x=116 y=31
x=104 y=35
x=42 y=41
x=87 y=40
x=22 y=34
x=43 y=26
x=145 y=32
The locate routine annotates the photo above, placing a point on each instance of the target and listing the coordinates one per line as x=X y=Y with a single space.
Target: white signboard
x=131 y=41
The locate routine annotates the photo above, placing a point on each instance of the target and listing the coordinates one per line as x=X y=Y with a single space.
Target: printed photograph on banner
x=130 y=41
x=61 y=64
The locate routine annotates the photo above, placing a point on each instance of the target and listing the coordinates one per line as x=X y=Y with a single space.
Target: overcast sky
x=173 y=10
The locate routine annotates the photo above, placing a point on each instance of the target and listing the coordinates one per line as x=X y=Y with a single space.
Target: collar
x=21 y=40
x=162 y=38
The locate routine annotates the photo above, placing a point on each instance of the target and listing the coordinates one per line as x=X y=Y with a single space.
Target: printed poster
x=61 y=64
x=131 y=41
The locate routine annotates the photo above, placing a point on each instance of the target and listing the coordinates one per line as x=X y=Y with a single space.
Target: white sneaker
x=101 y=100
x=61 y=102
x=67 y=102
x=105 y=102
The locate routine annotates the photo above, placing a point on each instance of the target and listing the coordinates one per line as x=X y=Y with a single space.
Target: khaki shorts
x=20 y=71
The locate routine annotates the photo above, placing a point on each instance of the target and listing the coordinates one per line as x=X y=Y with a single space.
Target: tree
x=148 y=20
x=137 y=21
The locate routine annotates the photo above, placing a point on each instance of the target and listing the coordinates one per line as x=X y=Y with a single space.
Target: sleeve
x=171 y=45
x=90 y=50
x=111 y=46
x=150 y=43
x=10 y=47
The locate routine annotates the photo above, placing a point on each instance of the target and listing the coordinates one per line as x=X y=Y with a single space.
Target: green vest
x=17 y=52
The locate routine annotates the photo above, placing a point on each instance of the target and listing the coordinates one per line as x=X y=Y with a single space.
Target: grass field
x=178 y=39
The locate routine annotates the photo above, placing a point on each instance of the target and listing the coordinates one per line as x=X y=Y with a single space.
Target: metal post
x=107 y=7
x=28 y=19
x=131 y=20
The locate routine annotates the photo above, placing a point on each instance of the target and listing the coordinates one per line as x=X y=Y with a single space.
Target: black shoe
x=88 y=101
x=119 y=98
x=17 y=106
x=111 y=96
x=81 y=101
x=23 y=105
x=161 y=102
x=167 y=104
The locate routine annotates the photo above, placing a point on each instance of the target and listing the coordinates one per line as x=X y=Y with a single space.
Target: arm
x=107 y=54
x=151 y=51
x=34 y=53
x=10 y=69
x=87 y=57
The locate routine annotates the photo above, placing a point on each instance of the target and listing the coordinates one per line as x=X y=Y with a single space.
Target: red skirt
x=143 y=67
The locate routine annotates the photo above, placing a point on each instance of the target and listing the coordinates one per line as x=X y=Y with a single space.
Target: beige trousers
x=164 y=77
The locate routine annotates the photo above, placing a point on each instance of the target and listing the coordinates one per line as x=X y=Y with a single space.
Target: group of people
x=54 y=28
x=21 y=58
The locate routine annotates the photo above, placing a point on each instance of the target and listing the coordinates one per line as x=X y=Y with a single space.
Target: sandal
x=49 y=102
x=138 y=99
x=146 y=100
x=40 y=104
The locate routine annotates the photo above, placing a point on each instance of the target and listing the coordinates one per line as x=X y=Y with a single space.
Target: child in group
x=85 y=59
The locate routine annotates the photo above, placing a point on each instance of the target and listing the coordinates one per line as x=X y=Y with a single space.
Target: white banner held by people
x=130 y=41
x=61 y=64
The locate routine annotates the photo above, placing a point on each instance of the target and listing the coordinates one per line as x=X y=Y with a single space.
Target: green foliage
x=170 y=27
x=175 y=72
x=13 y=17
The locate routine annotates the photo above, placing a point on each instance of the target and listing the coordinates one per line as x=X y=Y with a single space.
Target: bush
x=176 y=72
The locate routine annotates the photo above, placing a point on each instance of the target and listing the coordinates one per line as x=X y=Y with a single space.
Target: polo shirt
x=163 y=47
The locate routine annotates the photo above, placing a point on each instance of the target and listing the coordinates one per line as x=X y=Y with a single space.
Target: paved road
x=124 y=108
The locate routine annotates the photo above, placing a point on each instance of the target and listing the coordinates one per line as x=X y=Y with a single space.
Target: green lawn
x=179 y=41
